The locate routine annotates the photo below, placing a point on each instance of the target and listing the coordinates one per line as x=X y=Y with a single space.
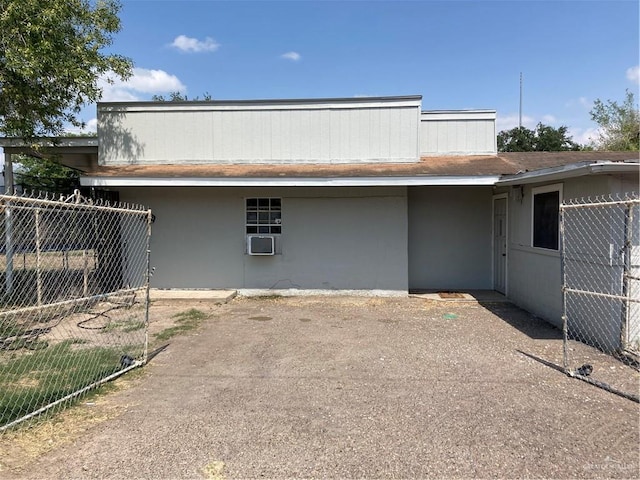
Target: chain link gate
x=600 y=251
x=74 y=299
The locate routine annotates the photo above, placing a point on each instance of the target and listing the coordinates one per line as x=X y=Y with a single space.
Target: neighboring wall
x=534 y=274
x=458 y=132
x=332 y=238
x=450 y=238
x=278 y=131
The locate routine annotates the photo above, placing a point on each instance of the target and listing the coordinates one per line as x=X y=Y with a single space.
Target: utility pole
x=520 y=110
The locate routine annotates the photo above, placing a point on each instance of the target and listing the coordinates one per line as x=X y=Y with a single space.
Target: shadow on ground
x=532 y=326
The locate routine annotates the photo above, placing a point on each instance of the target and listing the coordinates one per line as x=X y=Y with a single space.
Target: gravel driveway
x=346 y=387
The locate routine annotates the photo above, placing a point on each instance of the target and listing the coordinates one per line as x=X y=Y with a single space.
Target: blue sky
x=456 y=54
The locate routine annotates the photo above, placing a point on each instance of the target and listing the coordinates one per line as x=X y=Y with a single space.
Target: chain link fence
x=601 y=291
x=73 y=299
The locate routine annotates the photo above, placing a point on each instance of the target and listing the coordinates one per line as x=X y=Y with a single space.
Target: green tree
x=619 y=124
x=549 y=139
x=180 y=97
x=50 y=61
x=543 y=139
x=518 y=139
x=36 y=174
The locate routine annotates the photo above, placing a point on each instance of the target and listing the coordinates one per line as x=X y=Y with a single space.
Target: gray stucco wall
x=332 y=238
x=534 y=274
x=450 y=237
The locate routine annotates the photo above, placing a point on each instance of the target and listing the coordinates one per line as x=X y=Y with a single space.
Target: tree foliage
x=45 y=175
x=619 y=124
x=543 y=139
x=50 y=61
x=180 y=97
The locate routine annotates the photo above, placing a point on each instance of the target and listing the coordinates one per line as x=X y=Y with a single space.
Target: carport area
x=354 y=387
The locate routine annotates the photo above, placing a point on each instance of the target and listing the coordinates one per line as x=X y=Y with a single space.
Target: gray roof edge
x=462 y=110
x=569 y=171
x=274 y=101
x=16 y=142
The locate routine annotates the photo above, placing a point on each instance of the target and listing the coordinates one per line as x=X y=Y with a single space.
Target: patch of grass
x=190 y=315
x=133 y=326
x=214 y=471
x=126 y=326
x=38 y=378
x=273 y=296
x=9 y=328
x=186 y=321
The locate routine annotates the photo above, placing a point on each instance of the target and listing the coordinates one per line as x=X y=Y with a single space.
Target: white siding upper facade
x=355 y=130
x=461 y=132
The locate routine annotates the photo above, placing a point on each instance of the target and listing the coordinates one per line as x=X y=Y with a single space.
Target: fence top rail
x=604 y=201
x=73 y=202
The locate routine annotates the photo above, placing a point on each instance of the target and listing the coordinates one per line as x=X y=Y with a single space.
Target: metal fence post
x=565 y=331
x=38 y=257
x=626 y=276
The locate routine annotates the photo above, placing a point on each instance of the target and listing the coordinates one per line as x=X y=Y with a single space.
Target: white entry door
x=500 y=244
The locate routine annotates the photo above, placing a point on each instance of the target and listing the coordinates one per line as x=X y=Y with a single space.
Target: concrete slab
x=478 y=296
x=345 y=388
x=215 y=296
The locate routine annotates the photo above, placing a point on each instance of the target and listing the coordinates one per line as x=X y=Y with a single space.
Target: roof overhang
x=570 y=171
x=442 y=180
x=59 y=144
x=76 y=152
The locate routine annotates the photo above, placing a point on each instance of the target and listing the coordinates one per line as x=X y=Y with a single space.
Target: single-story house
x=341 y=194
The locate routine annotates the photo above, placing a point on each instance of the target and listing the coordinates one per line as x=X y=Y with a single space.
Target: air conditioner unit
x=261 y=245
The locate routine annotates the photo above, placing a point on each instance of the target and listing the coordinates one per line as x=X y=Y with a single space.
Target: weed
x=9 y=328
x=190 y=315
x=133 y=326
x=273 y=296
x=186 y=321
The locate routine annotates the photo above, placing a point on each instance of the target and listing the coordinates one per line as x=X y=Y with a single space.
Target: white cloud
x=507 y=122
x=584 y=136
x=583 y=102
x=142 y=80
x=193 y=45
x=113 y=93
x=151 y=81
x=293 y=56
x=633 y=74
x=90 y=126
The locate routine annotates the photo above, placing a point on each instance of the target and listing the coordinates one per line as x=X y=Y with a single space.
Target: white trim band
x=484 y=180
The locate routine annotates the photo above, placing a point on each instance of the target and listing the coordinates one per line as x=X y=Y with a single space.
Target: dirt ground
x=343 y=387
